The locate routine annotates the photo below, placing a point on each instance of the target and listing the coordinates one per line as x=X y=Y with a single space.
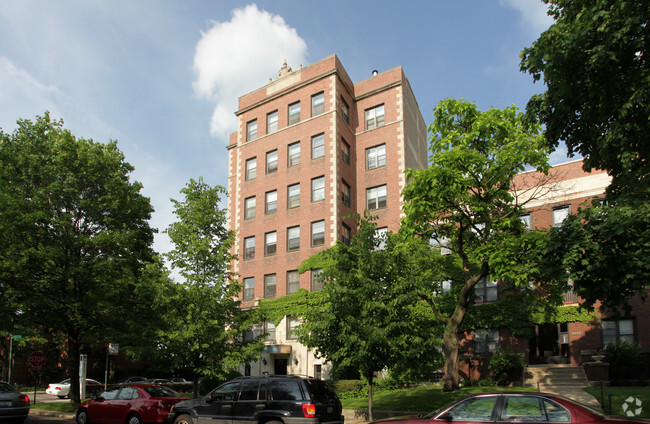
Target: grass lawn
x=56 y=406
x=619 y=396
x=421 y=399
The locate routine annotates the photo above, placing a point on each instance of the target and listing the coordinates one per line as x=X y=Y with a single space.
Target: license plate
x=5 y=403
x=330 y=409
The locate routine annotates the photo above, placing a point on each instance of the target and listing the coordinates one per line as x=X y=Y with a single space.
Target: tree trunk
x=370 y=414
x=74 y=349
x=450 y=350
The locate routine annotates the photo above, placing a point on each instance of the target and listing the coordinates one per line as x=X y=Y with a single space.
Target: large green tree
x=204 y=326
x=367 y=316
x=74 y=233
x=594 y=62
x=464 y=202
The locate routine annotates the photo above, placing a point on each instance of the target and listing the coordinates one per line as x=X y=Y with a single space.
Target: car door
x=474 y=410
x=532 y=409
x=250 y=402
x=122 y=405
x=217 y=407
x=99 y=410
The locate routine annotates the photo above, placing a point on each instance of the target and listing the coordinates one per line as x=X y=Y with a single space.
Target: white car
x=62 y=389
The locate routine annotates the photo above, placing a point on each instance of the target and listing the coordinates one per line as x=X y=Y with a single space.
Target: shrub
x=624 y=360
x=506 y=367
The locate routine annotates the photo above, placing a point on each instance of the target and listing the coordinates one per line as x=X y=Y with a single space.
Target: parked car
x=266 y=399
x=514 y=408
x=130 y=404
x=134 y=379
x=14 y=405
x=62 y=389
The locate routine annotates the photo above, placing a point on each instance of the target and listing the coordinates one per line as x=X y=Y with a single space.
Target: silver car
x=14 y=406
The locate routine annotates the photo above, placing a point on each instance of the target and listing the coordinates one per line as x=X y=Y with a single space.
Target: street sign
x=36 y=360
x=113 y=348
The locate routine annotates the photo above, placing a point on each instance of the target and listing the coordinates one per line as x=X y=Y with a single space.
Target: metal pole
x=11 y=357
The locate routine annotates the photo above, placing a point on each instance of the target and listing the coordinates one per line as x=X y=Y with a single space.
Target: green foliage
x=624 y=360
x=602 y=118
x=74 y=234
x=605 y=120
x=464 y=202
x=203 y=325
x=506 y=367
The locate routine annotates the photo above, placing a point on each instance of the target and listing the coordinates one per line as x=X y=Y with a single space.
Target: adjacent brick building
x=311 y=148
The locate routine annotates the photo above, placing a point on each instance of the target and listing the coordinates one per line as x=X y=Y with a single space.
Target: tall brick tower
x=311 y=148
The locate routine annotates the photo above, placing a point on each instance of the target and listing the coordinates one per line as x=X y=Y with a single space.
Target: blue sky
x=163 y=77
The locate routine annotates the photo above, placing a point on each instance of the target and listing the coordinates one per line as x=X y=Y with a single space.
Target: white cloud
x=533 y=13
x=238 y=56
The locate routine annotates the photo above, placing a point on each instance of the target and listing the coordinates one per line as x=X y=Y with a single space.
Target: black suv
x=272 y=399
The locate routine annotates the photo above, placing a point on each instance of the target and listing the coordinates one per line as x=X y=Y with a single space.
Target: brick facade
x=336 y=165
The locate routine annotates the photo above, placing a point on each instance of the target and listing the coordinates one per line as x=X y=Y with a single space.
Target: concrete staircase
x=555 y=376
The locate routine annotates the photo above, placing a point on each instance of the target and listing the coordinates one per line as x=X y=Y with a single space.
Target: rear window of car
x=285 y=390
x=162 y=391
x=321 y=391
x=5 y=388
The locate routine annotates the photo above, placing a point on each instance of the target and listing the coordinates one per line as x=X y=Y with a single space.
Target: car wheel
x=134 y=419
x=82 y=417
x=274 y=422
x=62 y=397
x=183 y=419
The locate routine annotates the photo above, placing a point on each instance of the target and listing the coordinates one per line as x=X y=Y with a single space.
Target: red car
x=515 y=408
x=130 y=404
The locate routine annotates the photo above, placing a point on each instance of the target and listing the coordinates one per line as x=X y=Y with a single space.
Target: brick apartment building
x=311 y=148
x=567 y=188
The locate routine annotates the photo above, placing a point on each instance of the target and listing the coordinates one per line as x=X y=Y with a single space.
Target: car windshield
x=162 y=391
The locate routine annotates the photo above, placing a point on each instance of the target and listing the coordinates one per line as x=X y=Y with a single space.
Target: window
x=317 y=279
x=293 y=154
x=249 y=390
x=271 y=204
x=376 y=157
x=346 y=235
x=318 y=146
x=272 y=122
x=249 y=208
x=345 y=111
x=376 y=197
x=293 y=196
x=486 y=340
x=527 y=221
x=318 y=371
x=617 y=330
x=346 y=194
x=251 y=130
x=293 y=281
x=270 y=243
x=271 y=161
x=317 y=104
x=292 y=325
x=375 y=117
x=486 y=291
x=381 y=234
x=249 y=247
x=285 y=390
x=318 y=233
x=251 y=168
x=533 y=409
x=293 y=238
x=269 y=286
x=318 y=189
x=269 y=330
x=294 y=113
x=249 y=288
x=345 y=151
x=474 y=409
x=559 y=215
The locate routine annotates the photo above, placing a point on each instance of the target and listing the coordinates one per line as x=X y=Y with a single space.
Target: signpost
x=36 y=361
x=112 y=350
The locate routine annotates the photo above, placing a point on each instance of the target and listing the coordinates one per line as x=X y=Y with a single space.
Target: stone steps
x=555 y=375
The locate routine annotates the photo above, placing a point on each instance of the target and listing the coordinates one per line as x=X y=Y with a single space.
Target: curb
x=54 y=414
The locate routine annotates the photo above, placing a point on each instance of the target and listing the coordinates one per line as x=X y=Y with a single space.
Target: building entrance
x=280 y=366
x=550 y=344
